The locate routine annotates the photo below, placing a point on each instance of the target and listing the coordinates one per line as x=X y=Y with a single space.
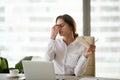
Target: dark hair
x=70 y=21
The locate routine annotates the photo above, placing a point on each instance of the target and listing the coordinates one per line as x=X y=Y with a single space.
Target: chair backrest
x=19 y=65
x=90 y=69
x=4 y=68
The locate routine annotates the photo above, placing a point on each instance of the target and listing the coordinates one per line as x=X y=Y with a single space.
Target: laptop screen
x=39 y=70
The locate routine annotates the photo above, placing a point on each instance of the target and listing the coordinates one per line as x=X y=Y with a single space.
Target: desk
x=6 y=77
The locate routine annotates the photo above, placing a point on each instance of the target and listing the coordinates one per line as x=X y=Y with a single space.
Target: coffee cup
x=14 y=72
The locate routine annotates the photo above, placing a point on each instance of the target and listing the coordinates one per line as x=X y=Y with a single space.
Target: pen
x=60 y=79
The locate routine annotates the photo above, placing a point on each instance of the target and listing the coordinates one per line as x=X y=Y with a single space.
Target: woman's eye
x=62 y=25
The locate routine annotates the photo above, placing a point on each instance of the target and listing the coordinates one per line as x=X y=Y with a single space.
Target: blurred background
x=25 y=29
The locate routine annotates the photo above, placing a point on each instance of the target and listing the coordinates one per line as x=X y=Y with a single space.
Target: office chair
x=19 y=65
x=90 y=69
x=4 y=68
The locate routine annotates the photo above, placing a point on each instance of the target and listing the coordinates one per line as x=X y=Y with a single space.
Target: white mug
x=14 y=72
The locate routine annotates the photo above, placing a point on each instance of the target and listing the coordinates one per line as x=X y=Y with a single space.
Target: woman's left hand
x=90 y=50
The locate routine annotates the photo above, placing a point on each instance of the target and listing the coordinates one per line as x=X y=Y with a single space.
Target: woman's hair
x=70 y=21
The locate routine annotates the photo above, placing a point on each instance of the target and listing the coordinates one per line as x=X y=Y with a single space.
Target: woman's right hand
x=55 y=30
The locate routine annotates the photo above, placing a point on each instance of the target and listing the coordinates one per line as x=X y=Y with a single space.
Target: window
x=25 y=25
x=105 y=26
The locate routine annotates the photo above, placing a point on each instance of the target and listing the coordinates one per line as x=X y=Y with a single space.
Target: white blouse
x=67 y=59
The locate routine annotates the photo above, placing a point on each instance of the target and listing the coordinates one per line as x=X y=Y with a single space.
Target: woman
x=69 y=56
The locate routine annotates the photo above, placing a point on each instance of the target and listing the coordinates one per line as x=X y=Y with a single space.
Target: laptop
x=39 y=70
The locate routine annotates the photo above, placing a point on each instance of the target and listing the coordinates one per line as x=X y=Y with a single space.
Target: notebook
x=96 y=78
x=39 y=70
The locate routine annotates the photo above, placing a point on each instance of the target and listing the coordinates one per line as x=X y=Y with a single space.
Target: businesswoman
x=68 y=55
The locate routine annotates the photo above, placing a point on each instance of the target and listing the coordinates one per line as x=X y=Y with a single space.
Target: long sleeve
x=67 y=59
x=81 y=66
x=50 y=54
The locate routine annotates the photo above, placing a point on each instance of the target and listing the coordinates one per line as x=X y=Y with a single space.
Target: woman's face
x=65 y=29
